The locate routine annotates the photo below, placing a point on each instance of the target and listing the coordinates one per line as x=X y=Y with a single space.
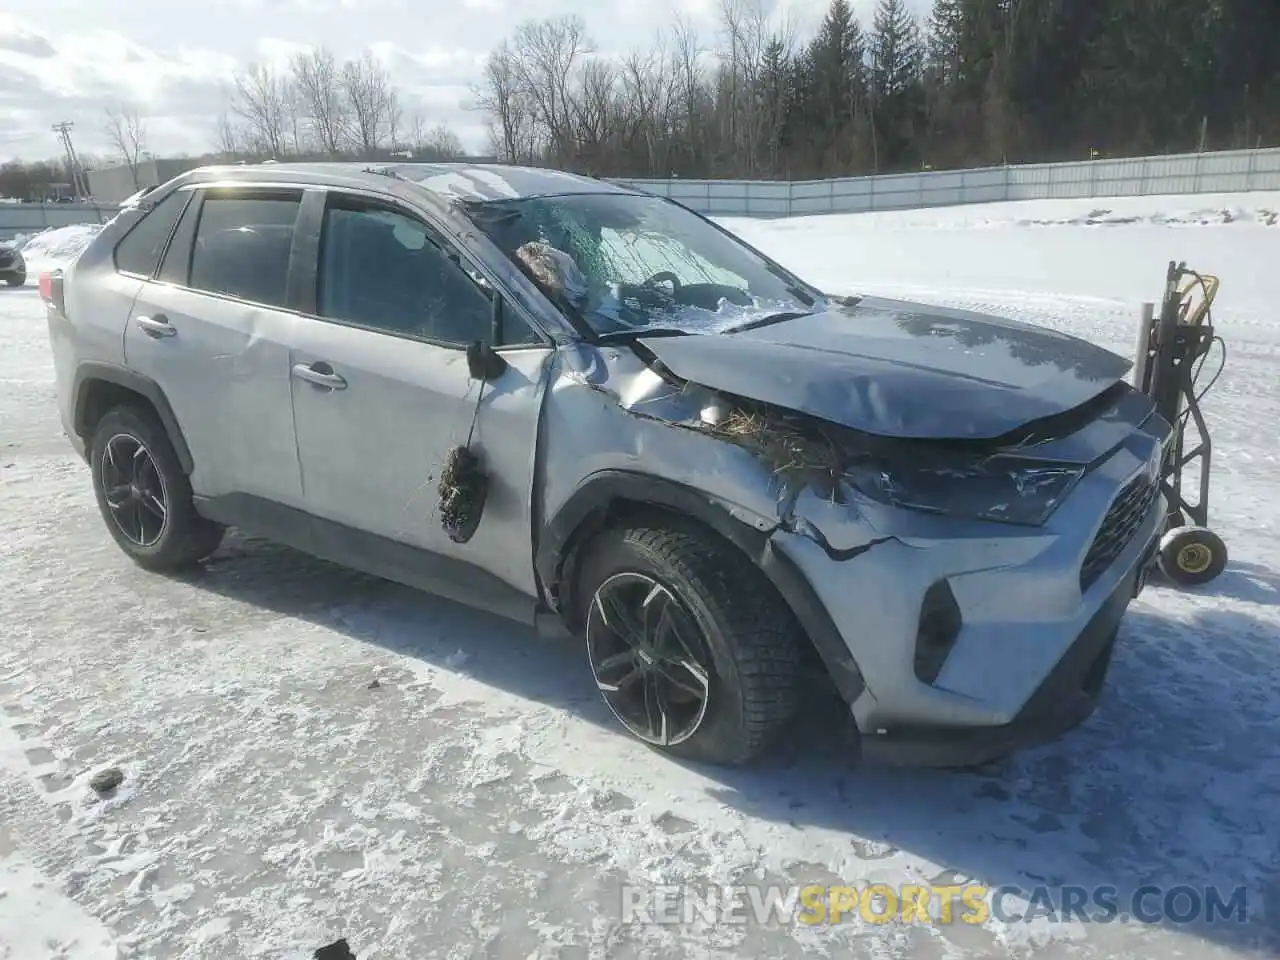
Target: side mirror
x=484 y=363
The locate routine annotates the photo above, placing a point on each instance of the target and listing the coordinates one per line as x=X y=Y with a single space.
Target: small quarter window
x=140 y=250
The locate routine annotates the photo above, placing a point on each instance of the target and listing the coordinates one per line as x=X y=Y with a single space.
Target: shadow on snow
x=1173 y=781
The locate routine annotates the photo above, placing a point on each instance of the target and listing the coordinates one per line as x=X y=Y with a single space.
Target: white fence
x=16 y=218
x=1226 y=172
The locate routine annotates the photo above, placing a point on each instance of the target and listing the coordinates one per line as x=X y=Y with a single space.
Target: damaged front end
x=950 y=504
x=842 y=488
x=984 y=480
x=895 y=554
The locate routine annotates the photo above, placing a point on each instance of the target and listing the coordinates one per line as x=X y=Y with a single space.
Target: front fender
x=596 y=500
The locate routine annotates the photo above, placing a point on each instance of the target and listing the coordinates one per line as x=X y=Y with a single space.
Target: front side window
x=382 y=269
x=242 y=247
x=139 y=252
x=623 y=262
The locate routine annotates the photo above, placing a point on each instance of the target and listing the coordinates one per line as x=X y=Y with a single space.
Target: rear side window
x=139 y=252
x=242 y=247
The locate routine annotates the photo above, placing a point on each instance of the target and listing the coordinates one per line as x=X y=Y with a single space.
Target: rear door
x=382 y=393
x=213 y=329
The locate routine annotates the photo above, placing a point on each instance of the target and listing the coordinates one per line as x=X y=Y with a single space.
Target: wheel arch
x=100 y=386
x=611 y=495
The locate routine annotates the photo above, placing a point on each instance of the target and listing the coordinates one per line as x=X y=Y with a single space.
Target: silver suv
x=589 y=408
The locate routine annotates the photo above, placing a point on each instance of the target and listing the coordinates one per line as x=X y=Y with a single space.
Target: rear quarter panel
x=98 y=301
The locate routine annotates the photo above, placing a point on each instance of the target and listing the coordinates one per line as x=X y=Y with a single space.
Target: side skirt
x=370 y=553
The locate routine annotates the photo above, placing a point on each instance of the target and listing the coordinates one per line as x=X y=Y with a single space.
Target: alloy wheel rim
x=649 y=659
x=134 y=490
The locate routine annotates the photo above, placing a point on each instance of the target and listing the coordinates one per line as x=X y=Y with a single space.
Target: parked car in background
x=13 y=268
x=579 y=405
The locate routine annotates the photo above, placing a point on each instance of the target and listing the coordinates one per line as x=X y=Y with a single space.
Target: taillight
x=51 y=289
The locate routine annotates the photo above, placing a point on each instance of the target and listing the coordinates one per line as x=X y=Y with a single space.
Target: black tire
x=752 y=640
x=16 y=280
x=1192 y=556
x=184 y=537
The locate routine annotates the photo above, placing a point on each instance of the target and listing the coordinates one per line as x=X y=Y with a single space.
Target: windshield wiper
x=635 y=332
x=793 y=288
x=767 y=320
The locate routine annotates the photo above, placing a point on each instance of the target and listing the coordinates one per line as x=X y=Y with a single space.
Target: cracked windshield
x=624 y=263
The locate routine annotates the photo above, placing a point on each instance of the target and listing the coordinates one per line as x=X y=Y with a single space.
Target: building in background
x=110 y=185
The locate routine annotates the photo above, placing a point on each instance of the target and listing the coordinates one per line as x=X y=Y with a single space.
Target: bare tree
x=502 y=97
x=375 y=107
x=322 y=99
x=546 y=55
x=746 y=30
x=296 y=141
x=689 y=88
x=128 y=134
x=227 y=137
x=258 y=99
x=594 y=112
x=650 y=86
x=443 y=142
x=416 y=134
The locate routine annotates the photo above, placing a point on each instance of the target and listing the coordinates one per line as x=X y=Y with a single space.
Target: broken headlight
x=997 y=488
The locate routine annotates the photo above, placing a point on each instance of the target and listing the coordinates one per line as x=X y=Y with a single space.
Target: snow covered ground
x=477 y=802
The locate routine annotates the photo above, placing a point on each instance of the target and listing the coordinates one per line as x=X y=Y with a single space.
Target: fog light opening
x=940 y=623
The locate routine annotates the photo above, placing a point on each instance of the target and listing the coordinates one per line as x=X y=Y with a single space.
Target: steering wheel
x=663 y=276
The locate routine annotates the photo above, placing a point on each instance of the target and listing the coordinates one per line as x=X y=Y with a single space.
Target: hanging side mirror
x=484 y=363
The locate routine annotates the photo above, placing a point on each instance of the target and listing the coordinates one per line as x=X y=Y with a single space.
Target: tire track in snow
x=37 y=918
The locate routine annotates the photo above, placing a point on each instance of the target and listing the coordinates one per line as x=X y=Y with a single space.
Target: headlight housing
x=1001 y=488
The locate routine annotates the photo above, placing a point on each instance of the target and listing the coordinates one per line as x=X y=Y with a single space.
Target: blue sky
x=72 y=59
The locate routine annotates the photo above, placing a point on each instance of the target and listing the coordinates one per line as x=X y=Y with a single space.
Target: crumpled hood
x=900 y=369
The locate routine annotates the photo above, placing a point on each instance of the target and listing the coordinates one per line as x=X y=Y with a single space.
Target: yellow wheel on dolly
x=1190 y=556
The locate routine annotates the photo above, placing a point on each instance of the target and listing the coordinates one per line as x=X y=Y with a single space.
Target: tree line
x=320 y=107
x=976 y=82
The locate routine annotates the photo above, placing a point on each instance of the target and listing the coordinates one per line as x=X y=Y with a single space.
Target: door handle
x=157 y=326
x=319 y=374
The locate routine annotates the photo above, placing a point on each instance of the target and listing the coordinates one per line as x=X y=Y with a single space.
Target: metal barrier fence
x=16 y=218
x=1226 y=172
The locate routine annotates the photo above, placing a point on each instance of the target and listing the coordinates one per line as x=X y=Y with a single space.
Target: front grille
x=7 y=257
x=1118 y=527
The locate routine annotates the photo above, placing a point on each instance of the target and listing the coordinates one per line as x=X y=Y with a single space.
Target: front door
x=382 y=392
x=212 y=331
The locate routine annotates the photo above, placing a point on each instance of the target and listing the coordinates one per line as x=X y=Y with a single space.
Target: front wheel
x=16 y=279
x=144 y=495
x=689 y=644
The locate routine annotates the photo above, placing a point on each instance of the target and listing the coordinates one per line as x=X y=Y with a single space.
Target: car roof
x=445 y=182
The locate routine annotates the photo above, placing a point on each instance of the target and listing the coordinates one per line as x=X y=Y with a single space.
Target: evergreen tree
x=896 y=53
x=946 y=27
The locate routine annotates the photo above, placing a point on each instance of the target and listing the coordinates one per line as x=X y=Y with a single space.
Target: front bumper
x=1035 y=617
x=1065 y=699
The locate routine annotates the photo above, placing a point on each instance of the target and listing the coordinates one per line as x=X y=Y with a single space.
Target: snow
x=478 y=801
x=55 y=248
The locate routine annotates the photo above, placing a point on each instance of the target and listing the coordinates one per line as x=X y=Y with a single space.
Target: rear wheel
x=144 y=495
x=691 y=648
